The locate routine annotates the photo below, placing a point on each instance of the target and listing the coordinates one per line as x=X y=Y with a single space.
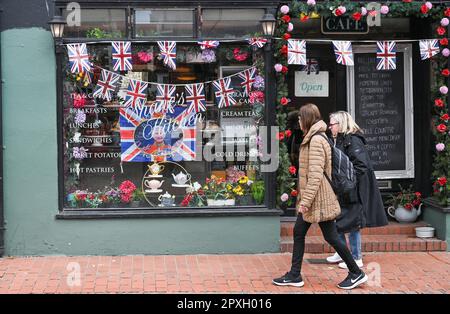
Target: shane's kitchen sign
x=311 y=85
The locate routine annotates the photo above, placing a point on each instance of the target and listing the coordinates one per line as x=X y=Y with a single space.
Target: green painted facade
x=440 y=220
x=31 y=179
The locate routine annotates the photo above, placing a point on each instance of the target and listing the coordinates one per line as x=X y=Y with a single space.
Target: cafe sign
x=311 y=85
x=343 y=25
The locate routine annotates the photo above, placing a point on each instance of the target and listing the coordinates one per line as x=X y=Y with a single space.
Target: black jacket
x=362 y=207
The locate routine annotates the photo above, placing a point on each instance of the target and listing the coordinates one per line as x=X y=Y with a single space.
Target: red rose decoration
x=292 y=170
x=408 y=206
x=416 y=203
x=447 y=12
x=304 y=18
x=280 y=136
x=284 y=101
x=440 y=30
x=286 y=36
x=338 y=12
x=284 y=50
x=288 y=133
x=441 y=128
x=442 y=181
x=356 y=16
x=418 y=194
x=284 y=69
x=294 y=193
x=445 y=117
x=286 y=18
x=439 y=103
x=423 y=9
x=444 y=42
x=445 y=72
x=407 y=1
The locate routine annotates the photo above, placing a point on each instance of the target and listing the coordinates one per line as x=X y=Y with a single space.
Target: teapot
x=153 y=184
x=155 y=168
x=181 y=178
x=166 y=199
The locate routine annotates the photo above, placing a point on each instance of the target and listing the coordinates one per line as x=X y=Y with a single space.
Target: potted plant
x=258 y=189
x=242 y=191
x=218 y=192
x=93 y=200
x=113 y=197
x=137 y=198
x=405 y=205
x=126 y=189
x=195 y=196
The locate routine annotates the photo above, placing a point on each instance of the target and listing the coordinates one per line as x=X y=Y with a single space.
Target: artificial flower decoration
x=284 y=69
x=443 y=90
x=447 y=12
x=311 y=2
x=288 y=133
x=440 y=147
x=294 y=193
x=384 y=9
x=304 y=17
x=286 y=18
x=240 y=55
x=441 y=128
x=290 y=27
x=445 y=52
x=284 y=50
x=292 y=170
x=79 y=101
x=444 y=22
x=278 y=67
x=357 y=16
x=284 y=101
x=440 y=30
x=445 y=72
x=443 y=42
x=424 y=9
x=442 y=181
x=429 y=5
x=280 y=136
x=363 y=11
x=284 y=9
x=445 y=117
x=284 y=197
x=286 y=36
x=439 y=103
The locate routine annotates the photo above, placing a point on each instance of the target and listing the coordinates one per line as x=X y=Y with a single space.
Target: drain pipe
x=2 y=222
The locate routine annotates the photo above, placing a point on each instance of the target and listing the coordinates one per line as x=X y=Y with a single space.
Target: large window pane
x=172 y=23
x=231 y=23
x=98 y=23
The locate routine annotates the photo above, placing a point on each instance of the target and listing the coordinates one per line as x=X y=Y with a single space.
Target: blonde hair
x=346 y=123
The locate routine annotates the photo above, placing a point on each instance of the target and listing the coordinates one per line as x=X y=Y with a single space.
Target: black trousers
x=330 y=234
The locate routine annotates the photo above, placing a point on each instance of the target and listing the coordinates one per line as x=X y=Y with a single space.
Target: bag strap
x=326 y=138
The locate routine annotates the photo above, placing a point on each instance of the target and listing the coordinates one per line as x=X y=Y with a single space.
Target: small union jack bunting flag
x=343 y=51
x=165 y=96
x=223 y=92
x=296 y=51
x=248 y=78
x=428 y=48
x=311 y=66
x=78 y=58
x=208 y=44
x=136 y=94
x=168 y=50
x=121 y=55
x=386 y=55
x=195 y=97
x=106 y=85
x=257 y=41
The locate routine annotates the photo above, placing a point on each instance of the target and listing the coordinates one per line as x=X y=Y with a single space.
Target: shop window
x=98 y=23
x=230 y=23
x=100 y=171
x=167 y=22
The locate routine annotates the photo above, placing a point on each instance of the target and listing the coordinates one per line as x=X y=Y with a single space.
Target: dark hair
x=309 y=114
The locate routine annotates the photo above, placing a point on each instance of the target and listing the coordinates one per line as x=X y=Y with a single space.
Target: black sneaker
x=288 y=280
x=353 y=280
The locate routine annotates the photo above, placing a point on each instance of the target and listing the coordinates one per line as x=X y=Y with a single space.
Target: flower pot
x=231 y=202
x=404 y=215
x=135 y=204
x=424 y=232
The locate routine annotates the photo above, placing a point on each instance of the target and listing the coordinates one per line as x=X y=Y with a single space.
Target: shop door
x=323 y=83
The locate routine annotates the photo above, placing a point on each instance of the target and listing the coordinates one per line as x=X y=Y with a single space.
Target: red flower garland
x=441 y=128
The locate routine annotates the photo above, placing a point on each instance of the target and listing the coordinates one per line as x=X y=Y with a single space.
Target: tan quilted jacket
x=315 y=191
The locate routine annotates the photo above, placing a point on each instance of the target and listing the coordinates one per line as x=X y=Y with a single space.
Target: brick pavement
x=412 y=272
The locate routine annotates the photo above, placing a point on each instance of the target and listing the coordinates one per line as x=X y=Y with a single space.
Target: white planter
x=212 y=202
x=404 y=215
x=424 y=232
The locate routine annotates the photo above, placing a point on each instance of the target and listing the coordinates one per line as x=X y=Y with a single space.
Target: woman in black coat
x=363 y=207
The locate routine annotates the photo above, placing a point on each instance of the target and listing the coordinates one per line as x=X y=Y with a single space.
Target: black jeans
x=330 y=234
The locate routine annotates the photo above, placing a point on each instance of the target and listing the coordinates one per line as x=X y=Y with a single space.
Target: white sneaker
x=359 y=262
x=334 y=259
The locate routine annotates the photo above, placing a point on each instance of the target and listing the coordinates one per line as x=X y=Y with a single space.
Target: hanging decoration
x=257 y=42
x=78 y=58
x=195 y=98
x=343 y=51
x=168 y=51
x=312 y=65
x=121 y=56
x=428 y=48
x=165 y=97
x=106 y=85
x=136 y=94
x=208 y=44
x=223 y=93
x=248 y=78
x=296 y=51
x=386 y=55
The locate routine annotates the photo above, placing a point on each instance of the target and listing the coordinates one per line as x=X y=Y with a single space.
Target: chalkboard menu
x=380 y=111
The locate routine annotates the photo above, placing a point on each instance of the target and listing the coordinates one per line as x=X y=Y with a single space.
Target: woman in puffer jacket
x=317 y=202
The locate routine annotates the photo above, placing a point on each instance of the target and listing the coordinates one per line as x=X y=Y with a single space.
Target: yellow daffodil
x=243 y=180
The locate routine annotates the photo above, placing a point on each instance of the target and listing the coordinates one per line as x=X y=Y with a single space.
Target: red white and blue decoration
x=165 y=98
x=296 y=51
x=386 y=55
x=208 y=44
x=136 y=94
x=343 y=52
x=168 y=51
x=224 y=94
x=312 y=65
x=257 y=42
x=106 y=85
x=248 y=78
x=428 y=48
x=195 y=98
x=78 y=58
x=121 y=55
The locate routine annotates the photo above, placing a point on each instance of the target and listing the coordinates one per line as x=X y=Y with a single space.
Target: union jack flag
x=165 y=98
x=343 y=51
x=311 y=66
x=195 y=97
x=223 y=92
x=296 y=51
x=78 y=58
x=386 y=55
x=428 y=48
x=184 y=149
x=136 y=94
x=121 y=55
x=208 y=44
x=257 y=41
x=106 y=84
x=248 y=78
x=168 y=49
